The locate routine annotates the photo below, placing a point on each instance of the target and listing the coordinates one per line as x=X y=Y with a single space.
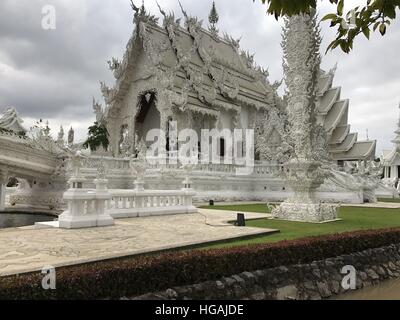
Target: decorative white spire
x=396 y=140
x=60 y=139
x=71 y=136
x=301 y=42
x=305 y=170
x=213 y=18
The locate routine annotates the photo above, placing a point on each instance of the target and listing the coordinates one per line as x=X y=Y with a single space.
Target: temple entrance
x=148 y=117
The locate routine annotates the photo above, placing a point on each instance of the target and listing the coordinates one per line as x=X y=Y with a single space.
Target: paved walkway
x=29 y=249
x=385 y=205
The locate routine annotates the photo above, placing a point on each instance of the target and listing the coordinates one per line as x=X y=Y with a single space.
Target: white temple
x=391 y=162
x=194 y=77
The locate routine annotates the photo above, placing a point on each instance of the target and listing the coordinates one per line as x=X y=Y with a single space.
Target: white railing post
x=86 y=207
x=102 y=196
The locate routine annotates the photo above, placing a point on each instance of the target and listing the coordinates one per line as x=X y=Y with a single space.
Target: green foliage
x=98 y=136
x=132 y=276
x=374 y=15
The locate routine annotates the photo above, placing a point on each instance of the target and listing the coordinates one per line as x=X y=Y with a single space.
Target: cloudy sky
x=53 y=74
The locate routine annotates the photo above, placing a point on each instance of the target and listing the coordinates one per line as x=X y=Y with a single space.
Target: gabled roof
x=204 y=61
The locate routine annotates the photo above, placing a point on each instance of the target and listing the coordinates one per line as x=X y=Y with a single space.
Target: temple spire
x=213 y=18
x=396 y=140
x=71 y=136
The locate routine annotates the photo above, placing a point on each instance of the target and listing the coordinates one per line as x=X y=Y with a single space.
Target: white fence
x=99 y=207
x=136 y=203
x=122 y=166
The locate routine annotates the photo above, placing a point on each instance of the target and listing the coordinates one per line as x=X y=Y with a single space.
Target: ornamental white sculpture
x=10 y=120
x=305 y=171
x=138 y=166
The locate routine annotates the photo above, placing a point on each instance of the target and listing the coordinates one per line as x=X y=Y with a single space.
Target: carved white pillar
x=301 y=40
x=3 y=189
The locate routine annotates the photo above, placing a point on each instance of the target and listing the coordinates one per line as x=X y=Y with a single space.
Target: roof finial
x=183 y=11
x=161 y=10
x=213 y=18
x=134 y=7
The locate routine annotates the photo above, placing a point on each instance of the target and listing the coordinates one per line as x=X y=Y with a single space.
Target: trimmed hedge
x=139 y=275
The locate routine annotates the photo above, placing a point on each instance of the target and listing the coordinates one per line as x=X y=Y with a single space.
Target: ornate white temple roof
x=9 y=120
x=343 y=145
x=197 y=63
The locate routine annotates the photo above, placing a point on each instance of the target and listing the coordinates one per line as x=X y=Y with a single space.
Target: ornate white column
x=3 y=189
x=301 y=41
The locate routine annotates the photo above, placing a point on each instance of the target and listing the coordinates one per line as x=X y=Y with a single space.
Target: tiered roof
x=343 y=145
x=392 y=157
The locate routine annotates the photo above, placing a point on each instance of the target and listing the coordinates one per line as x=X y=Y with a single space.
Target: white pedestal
x=306 y=212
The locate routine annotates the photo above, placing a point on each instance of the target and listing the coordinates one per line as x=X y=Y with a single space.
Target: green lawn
x=353 y=218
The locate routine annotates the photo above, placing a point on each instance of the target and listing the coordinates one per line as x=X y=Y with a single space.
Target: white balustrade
x=140 y=203
x=121 y=166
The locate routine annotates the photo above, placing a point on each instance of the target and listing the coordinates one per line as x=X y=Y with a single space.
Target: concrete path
x=29 y=249
x=385 y=205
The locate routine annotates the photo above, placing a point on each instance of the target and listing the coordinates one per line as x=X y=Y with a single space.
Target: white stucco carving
x=305 y=169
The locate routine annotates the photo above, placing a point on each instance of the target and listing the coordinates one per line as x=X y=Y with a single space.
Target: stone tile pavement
x=28 y=249
x=385 y=205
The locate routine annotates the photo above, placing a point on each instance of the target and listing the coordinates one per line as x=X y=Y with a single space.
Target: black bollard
x=241 y=221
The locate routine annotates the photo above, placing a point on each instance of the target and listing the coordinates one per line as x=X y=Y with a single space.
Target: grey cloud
x=53 y=74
